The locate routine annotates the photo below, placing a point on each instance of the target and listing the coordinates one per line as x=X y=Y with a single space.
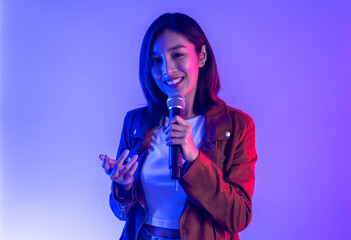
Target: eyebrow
x=176 y=47
x=172 y=48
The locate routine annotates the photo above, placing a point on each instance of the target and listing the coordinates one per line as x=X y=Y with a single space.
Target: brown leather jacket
x=219 y=184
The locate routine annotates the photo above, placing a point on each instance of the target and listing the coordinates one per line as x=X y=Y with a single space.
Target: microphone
x=175 y=104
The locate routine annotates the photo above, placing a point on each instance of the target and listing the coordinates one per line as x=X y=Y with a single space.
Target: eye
x=177 y=55
x=154 y=60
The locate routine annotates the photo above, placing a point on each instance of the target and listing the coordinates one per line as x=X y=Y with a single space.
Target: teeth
x=175 y=81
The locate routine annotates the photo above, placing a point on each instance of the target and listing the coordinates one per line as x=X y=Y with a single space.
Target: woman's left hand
x=179 y=132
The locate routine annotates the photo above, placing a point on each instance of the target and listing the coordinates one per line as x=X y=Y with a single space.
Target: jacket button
x=134 y=131
x=227 y=134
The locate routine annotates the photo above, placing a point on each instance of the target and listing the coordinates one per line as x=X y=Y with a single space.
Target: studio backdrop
x=70 y=74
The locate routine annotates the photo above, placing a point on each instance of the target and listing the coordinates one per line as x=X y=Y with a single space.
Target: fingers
x=118 y=172
x=128 y=165
x=129 y=174
x=107 y=162
x=176 y=127
x=178 y=134
x=104 y=157
x=133 y=169
x=177 y=119
x=122 y=158
x=178 y=124
x=179 y=138
x=176 y=141
x=178 y=131
x=114 y=173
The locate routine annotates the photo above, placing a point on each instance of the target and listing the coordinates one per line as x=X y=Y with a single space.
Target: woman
x=217 y=143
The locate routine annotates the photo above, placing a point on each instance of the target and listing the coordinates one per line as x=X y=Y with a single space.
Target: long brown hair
x=208 y=80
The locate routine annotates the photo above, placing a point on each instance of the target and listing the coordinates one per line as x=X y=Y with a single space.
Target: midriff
x=162 y=232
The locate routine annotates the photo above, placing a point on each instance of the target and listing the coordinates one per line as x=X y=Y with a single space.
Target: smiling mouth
x=174 y=81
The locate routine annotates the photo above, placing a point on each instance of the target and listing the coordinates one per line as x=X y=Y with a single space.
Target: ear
x=203 y=56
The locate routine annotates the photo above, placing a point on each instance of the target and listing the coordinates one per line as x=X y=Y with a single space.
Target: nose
x=168 y=67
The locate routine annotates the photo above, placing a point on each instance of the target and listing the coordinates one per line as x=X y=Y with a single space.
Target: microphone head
x=175 y=100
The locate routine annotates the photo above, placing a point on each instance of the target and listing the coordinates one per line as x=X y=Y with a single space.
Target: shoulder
x=134 y=114
x=221 y=117
x=139 y=122
x=239 y=116
x=240 y=120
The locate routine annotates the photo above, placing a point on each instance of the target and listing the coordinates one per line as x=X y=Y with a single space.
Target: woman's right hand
x=122 y=174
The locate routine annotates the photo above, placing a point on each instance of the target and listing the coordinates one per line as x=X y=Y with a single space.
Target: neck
x=188 y=114
x=189 y=110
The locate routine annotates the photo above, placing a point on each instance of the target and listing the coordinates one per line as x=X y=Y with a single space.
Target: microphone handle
x=175 y=151
x=176 y=161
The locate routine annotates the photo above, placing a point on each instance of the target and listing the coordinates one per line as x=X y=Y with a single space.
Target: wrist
x=196 y=156
x=124 y=187
x=127 y=187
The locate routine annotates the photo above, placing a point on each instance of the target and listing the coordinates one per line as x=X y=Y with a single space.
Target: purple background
x=70 y=73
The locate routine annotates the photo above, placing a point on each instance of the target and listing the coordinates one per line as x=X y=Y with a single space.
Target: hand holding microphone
x=179 y=136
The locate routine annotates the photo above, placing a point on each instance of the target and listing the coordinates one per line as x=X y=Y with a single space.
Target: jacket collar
x=142 y=126
x=217 y=123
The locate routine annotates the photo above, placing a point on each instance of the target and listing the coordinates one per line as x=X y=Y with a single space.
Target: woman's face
x=175 y=64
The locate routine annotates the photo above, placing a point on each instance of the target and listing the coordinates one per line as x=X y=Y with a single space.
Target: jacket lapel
x=218 y=122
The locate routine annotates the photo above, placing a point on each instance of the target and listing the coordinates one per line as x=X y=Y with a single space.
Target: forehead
x=169 y=40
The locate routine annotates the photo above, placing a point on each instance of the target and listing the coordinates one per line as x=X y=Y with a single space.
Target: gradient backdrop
x=70 y=73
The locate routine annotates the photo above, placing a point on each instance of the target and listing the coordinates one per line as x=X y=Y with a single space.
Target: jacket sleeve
x=122 y=201
x=226 y=197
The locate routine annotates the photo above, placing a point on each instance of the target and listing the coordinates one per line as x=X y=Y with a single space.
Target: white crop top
x=164 y=204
